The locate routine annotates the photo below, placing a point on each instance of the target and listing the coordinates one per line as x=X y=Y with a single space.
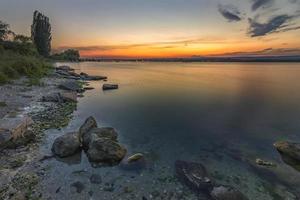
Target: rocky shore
x=26 y=111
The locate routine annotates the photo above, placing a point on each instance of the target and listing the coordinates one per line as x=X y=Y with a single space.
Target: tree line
x=39 y=41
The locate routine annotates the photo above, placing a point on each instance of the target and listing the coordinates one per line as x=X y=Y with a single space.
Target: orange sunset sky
x=164 y=28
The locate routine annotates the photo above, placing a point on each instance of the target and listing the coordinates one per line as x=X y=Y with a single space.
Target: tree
x=41 y=33
x=4 y=30
x=69 y=54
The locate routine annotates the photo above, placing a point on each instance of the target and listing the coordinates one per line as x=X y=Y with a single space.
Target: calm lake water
x=223 y=115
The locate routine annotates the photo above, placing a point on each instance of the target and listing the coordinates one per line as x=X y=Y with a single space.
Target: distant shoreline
x=198 y=59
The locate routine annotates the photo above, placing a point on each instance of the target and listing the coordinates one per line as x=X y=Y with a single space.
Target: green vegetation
x=70 y=55
x=41 y=33
x=19 y=57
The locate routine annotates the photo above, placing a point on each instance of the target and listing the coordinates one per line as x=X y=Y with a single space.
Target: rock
x=110 y=86
x=134 y=162
x=5 y=136
x=17 y=126
x=95 y=179
x=55 y=97
x=89 y=124
x=264 y=163
x=60 y=97
x=88 y=88
x=87 y=77
x=69 y=96
x=194 y=175
x=95 y=133
x=64 y=68
x=66 y=145
x=290 y=153
x=71 y=85
x=226 y=193
x=95 y=78
x=78 y=186
x=106 y=151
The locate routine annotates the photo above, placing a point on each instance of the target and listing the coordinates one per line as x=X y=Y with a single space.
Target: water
x=224 y=115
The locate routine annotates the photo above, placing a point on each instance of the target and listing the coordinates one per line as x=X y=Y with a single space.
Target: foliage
x=4 y=30
x=14 y=65
x=70 y=55
x=41 y=33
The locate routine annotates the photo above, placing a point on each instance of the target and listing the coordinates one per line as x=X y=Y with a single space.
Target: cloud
x=274 y=24
x=163 y=44
x=261 y=4
x=230 y=13
x=265 y=52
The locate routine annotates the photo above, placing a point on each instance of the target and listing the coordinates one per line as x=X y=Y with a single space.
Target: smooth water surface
x=223 y=115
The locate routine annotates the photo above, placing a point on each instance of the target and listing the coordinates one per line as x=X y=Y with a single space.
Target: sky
x=164 y=28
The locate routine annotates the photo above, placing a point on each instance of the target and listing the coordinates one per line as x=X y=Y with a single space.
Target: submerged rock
x=110 y=86
x=194 y=175
x=104 y=150
x=226 y=193
x=95 y=179
x=79 y=186
x=134 y=162
x=95 y=133
x=66 y=145
x=264 y=163
x=290 y=153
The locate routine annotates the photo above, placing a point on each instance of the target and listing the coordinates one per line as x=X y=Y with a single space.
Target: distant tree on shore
x=4 y=30
x=70 y=55
x=41 y=33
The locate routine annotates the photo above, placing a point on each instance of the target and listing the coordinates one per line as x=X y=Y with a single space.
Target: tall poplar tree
x=41 y=33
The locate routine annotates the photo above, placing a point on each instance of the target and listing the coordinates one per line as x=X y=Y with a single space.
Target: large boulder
x=66 y=145
x=88 y=125
x=290 y=153
x=94 y=133
x=60 y=97
x=105 y=150
x=194 y=175
x=226 y=193
x=64 y=68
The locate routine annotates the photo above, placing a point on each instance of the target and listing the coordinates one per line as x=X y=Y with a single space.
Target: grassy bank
x=21 y=62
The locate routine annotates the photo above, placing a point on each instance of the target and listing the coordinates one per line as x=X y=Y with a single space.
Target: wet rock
x=194 y=175
x=89 y=124
x=110 y=86
x=95 y=133
x=95 y=179
x=134 y=162
x=66 y=145
x=290 y=149
x=71 y=86
x=261 y=162
x=88 y=88
x=290 y=153
x=226 y=193
x=78 y=186
x=104 y=150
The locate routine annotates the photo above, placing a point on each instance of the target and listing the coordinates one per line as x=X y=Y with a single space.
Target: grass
x=14 y=65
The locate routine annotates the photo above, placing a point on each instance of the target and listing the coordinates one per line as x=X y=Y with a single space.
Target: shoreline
x=20 y=158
